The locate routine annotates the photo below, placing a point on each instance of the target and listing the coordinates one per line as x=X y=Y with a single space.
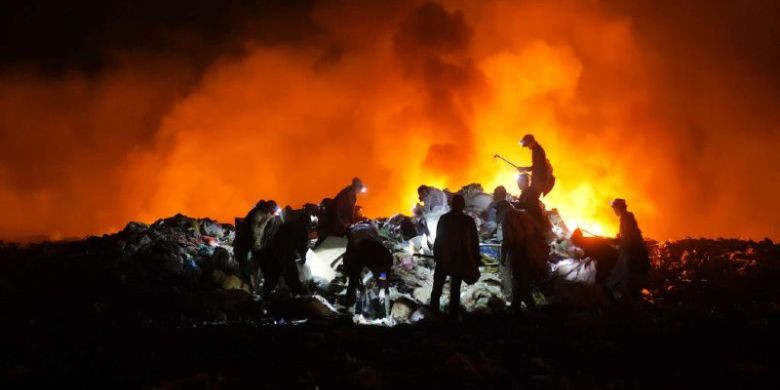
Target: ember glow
x=412 y=93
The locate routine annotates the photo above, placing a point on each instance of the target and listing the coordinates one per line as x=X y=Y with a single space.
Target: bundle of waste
x=182 y=266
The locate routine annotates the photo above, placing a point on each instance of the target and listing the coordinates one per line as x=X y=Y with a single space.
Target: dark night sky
x=56 y=36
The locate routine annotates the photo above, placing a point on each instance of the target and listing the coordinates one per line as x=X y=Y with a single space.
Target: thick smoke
x=434 y=49
x=141 y=112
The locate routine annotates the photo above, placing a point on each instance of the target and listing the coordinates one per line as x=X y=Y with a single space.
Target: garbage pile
x=703 y=273
x=182 y=267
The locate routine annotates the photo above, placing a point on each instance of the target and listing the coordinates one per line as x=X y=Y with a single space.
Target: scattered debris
x=168 y=268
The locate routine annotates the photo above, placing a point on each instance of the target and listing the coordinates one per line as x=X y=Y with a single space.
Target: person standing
x=529 y=201
x=252 y=234
x=456 y=253
x=341 y=212
x=525 y=251
x=633 y=260
x=542 y=179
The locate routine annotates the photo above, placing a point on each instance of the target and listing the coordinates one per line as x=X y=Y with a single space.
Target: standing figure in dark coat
x=542 y=180
x=526 y=250
x=529 y=201
x=456 y=252
x=340 y=213
x=633 y=260
x=278 y=258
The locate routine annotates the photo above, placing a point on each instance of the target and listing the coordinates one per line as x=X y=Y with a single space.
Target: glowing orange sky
x=382 y=97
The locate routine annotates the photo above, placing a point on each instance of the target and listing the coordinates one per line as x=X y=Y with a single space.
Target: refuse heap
x=182 y=268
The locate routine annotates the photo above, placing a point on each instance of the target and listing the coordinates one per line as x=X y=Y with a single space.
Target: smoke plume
x=135 y=112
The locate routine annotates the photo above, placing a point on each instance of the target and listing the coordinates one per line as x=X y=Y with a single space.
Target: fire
x=422 y=94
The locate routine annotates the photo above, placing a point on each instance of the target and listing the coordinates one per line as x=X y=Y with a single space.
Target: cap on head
x=527 y=140
x=357 y=183
x=619 y=203
x=458 y=202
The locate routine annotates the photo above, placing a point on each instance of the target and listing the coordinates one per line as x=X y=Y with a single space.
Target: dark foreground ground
x=74 y=316
x=558 y=348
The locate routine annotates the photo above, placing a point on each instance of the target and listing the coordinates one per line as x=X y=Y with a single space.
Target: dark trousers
x=275 y=269
x=439 y=277
x=521 y=282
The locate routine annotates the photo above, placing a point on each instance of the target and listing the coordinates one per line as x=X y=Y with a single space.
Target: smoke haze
x=112 y=113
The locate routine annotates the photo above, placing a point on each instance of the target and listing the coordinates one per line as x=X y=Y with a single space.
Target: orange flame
x=399 y=95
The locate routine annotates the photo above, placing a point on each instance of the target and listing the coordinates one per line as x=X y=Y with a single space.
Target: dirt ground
x=70 y=320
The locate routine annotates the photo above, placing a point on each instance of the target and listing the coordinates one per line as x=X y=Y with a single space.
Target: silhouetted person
x=529 y=201
x=526 y=250
x=490 y=227
x=542 y=179
x=432 y=198
x=253 y=232
x=499 y=194
x=340 y=213
x=528 y=195
x=278 y=258
x=365 y=252
x=456 y=252
x=633 y=260
x=599 y=249
x=272 y=226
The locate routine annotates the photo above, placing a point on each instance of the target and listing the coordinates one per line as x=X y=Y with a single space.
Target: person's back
x=345 y=203
x=257 y=221
x=277 y=259
x=599 y=249
x=629 y=229
x=490 y=216
x=527 y=251
x=340 y=212
x=456 y=252
x=367 y=252
x=539 y=165
x=633 y=260
x=457 y=243
x=249 y=239
x=433 y=199
x=529 y=201
x=633 y=244
x=542 y=180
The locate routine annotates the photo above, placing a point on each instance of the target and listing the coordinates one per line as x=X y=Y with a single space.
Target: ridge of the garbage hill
x=143 y=307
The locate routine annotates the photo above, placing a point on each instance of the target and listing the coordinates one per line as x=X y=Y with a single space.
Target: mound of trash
x=183 y=268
